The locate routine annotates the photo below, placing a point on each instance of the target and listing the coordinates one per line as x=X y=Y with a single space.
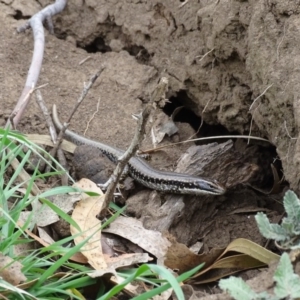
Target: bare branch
x=81 y=98
x=48 y=119
x=36 y=23
x=92 y=117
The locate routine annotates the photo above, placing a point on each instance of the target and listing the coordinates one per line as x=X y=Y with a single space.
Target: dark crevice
x=186 y=115
x=110 y=32
x=60 y=35
x=263 y=153
x=19 y=16
x=140 y=53
x=234 y=56
x=98 y=45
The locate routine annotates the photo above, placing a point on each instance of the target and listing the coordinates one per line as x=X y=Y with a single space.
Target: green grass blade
x=58 y=264
x=116 y=289
x=61 y=213
x=165 y=287
x=113 y=217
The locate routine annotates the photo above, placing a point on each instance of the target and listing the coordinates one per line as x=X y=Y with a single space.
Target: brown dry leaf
x=216 y=265
x=23 y=249
x=135 y=290
x=248 y=210
x=10 y=270
x=87 y=185
x=100 y=273
x=130 y=290
x=253 y=256
x=276 y=188
x=84 y=214
x=121 y=261
x=23 y=286
x=127 y=259
x=133 y=230
x=28 y=284
x=252 y=249
x=42 y=139
x=42 y=215
x=294 y=255
x=180 y=257
x=77 y=257
x=35 y=237
x=45 y=236
x=238 y=261
x=228 y=266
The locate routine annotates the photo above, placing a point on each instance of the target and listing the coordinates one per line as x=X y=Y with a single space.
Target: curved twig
x=36 y=23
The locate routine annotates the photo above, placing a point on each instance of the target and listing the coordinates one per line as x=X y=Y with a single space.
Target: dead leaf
x=77 y=257
x=248 y=209
x=162 y=126
x=84 y=214
x=10 y=270
x=127 y=259
x=241 y=254
x=131 y=289
x=28 y=284
x=23 y=249
x=87 y=185
x=45 y=236
x=228 y=266
x=252 y=249
x=253 y=256
x=42 y=215
x=42 y=139
x=133 y=230
x=100 y=273
x=180 y=257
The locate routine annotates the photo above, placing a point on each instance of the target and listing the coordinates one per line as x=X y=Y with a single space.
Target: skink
x=139 y=170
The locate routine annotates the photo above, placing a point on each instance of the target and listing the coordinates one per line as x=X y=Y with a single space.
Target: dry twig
x=53 y=135
x=206 y=139
x=36 y=23
x=269 y=86
x=93 y=116
x=79 y=101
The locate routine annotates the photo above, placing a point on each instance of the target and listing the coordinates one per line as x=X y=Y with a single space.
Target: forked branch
x=36 y=23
